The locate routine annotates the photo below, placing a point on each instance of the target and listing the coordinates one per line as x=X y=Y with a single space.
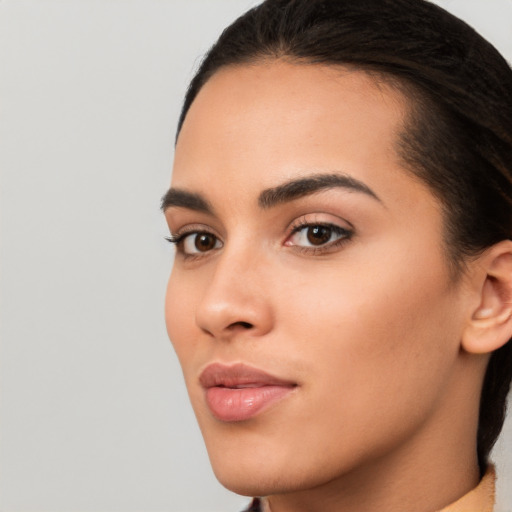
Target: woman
x=341 y=298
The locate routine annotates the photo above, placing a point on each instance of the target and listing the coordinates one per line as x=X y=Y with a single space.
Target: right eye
x=196 y=242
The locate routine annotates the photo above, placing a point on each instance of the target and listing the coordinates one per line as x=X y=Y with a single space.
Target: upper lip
x=238 y=376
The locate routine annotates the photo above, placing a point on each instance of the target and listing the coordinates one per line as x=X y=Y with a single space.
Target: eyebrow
x=183 y=199
x=271 y=197
x=301 y=187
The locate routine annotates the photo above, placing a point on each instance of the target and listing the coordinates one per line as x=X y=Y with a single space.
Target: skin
x=384 y=414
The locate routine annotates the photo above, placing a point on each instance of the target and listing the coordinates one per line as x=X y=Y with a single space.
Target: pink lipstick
x=239 y=392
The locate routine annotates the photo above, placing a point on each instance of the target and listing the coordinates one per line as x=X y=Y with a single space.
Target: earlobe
x=490 y=325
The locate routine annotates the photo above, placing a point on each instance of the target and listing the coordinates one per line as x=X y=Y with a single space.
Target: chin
x=258 y=481
x=251 y=464
x=246 y=485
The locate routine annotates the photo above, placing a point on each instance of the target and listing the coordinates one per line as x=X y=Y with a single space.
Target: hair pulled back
x=458 y=138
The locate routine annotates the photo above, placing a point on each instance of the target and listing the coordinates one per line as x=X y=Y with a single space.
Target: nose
x=236 y=301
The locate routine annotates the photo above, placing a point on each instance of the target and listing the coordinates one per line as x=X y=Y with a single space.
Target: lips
x=239 y=392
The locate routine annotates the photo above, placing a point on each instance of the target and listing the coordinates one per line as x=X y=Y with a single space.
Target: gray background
x=94 y=416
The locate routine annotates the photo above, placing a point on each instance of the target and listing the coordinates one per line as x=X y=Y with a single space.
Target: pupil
x=204 y=242
x=318 y=235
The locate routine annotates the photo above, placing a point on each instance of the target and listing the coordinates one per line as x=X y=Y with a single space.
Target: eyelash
x=179 y=239
x=344 y=237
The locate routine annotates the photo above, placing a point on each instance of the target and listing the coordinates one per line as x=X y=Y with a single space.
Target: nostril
x=244 y=325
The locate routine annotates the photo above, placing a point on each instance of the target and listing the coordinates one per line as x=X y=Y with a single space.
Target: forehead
x=277 y=118
x=253 y=127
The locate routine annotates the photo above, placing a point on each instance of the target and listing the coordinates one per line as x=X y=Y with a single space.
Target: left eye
x=316 y=235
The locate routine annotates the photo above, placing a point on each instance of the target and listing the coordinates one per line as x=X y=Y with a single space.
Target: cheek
x=180 y=303
x=375 y=342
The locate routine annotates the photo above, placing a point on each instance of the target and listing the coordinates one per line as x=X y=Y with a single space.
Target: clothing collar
x=480 y=499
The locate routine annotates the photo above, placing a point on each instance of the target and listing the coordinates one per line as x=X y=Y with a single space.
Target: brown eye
x=204 y=242
x=318 y=235
x=198 y=243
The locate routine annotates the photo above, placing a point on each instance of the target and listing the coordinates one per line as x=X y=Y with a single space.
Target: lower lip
x=228 y=404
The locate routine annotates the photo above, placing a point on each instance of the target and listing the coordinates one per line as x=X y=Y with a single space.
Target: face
x=310 y=302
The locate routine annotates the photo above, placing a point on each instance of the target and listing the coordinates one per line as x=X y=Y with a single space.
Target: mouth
x=240 y=392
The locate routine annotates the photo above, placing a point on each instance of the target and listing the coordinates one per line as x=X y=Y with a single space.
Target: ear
x=490 y=325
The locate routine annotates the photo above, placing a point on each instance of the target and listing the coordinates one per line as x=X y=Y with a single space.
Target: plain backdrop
x=94 y=414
